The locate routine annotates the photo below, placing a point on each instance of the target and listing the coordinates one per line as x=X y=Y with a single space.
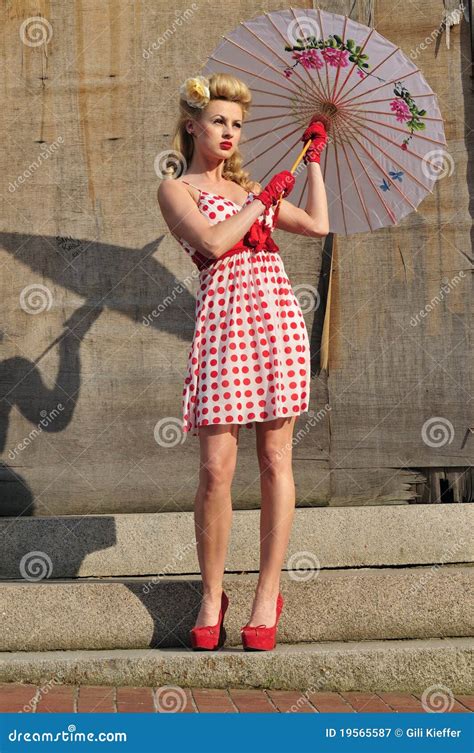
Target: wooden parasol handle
x=297 y=161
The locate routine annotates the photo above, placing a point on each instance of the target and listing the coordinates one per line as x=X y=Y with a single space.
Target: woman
x=249 y=362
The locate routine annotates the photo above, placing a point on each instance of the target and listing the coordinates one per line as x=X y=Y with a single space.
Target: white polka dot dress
x=249 y=358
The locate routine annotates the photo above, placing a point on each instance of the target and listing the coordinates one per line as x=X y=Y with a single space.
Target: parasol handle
x=297 y=161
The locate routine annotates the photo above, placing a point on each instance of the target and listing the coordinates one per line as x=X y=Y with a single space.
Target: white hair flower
x=195 y=91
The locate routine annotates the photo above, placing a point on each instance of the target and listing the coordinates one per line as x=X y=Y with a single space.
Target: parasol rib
x=336 y=94
x=395 y=128
x=325 y=61
x=252 y=73
x=376 y=88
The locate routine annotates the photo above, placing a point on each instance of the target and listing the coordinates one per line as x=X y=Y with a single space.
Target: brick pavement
x=15 y=698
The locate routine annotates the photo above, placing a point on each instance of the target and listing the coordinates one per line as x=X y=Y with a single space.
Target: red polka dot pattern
x=249 y=359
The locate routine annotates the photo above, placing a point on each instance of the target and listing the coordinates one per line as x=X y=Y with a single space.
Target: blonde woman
x=249 y=362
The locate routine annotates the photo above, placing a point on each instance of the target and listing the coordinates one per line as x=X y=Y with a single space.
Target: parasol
x=386 y=140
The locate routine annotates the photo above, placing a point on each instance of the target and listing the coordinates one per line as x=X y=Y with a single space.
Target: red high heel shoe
x=210 y=637
x=261 y=637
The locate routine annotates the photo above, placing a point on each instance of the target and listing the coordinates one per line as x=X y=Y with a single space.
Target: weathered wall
x=86 y=258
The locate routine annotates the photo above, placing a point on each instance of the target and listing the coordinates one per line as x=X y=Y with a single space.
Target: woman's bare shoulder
x=170 y=187
x=173 y=191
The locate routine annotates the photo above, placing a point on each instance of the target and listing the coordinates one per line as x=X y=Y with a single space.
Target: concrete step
x=412 y=666
x=325 y=605
x=140 y=544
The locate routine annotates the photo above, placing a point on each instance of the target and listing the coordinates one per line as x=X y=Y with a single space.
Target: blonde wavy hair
x=221 y=86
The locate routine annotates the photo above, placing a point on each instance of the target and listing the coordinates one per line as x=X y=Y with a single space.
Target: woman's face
x=221 y=121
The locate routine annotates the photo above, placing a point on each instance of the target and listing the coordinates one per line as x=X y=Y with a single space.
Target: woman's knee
x=218 y=456
x=217 y=471
x=275 y=459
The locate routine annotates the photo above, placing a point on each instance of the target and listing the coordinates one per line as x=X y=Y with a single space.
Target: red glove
x=316 y=131
x=281 y=182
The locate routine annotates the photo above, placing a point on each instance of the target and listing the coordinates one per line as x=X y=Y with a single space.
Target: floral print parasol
x=386 y=144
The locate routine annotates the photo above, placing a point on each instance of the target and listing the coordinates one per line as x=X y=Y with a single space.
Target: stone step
x=331 y=537
x=325 y=605
x=413 y=666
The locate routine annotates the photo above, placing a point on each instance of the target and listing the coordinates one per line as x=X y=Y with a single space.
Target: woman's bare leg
x=213 y=512
x=274 y=449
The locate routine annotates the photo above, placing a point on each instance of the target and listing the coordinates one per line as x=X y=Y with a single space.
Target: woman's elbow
x=320 y=230
x=316 y=230
x=209 y=247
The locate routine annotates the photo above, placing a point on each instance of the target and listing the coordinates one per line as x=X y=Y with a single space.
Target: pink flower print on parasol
x=401 y=109
x=336 y=58
x=309 y=59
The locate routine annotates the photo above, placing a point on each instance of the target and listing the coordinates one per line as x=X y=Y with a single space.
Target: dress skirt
x=249 y=358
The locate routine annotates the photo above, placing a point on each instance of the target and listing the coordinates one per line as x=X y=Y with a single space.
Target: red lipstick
x=226 y=145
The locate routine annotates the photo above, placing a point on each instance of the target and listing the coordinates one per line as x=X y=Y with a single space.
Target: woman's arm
x=313 y=220
x=183 y=218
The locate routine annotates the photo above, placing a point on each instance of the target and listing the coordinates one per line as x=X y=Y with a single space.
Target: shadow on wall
x=124 y=279
x=130 y=281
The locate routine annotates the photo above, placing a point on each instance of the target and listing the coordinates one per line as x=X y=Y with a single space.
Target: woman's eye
x=239 y=125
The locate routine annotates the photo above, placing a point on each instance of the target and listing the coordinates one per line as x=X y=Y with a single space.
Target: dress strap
x=192 y=184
